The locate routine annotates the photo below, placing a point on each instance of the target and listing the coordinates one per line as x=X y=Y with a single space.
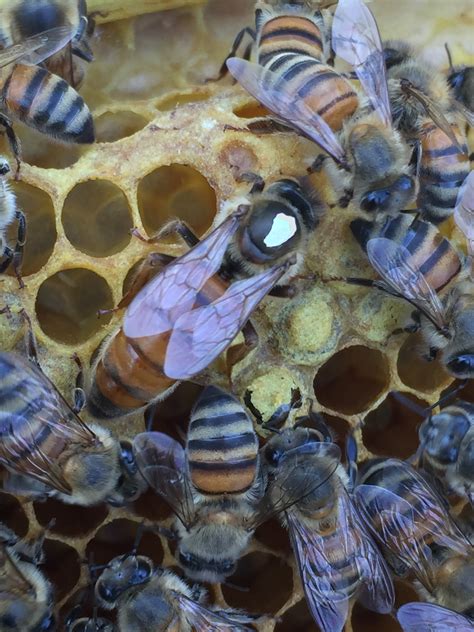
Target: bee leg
x=12 y=140
x=8 y=258
x=149 y=267
x=345 y=199
x=30 y=339
x=257 y=182
x=176 y=226
x=79 y=392
x=317 y=164
x=253 y=409
x=431 y=355
x=233 y=52
x=17 y=258
x=351 y=454
x=238 y=352
x=281 y=414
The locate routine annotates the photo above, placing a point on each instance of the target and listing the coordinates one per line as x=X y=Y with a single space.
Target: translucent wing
x=36 y=49
x=199 y=336
x=12 y=580
x=201 y=619
x=259 y=82
x=289 y=485
x=464 y=211
x=327 y=563
x=429 y=617
x=162 y=463
x=36 y=411
x=356 y=39
x=409 y=529
x=392 y=262
x=173 y=291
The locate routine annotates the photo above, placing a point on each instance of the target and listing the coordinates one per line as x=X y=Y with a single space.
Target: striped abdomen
x=444 y=168
x=321 y=88
x=26 y=410
x=129 y=372
x=288 y=34
x=222 y=446
x=47 y=103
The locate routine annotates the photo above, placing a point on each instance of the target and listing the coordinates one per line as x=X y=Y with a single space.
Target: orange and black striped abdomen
x=289 y=34
x=129 y=372
x=443 y=169
x=322 y=89
x=48 y=103
x=28 y=415
x=222 y=448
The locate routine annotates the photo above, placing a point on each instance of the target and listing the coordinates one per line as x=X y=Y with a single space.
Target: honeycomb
x=163 y=151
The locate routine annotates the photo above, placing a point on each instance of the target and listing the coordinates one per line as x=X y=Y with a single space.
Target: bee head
x=123 y=573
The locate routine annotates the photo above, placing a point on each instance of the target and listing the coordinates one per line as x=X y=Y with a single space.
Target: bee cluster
x=255 y=417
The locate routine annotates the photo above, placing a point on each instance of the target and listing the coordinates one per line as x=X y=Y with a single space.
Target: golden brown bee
x=215 y=486
x=447 y=448
x=337 y=559
x=49 y=451
x=421 y=617
x=416 y=262
x=413 y=527
x=187 y=314
x=8 y=213
x=26 y=596
x=38 y=98
x=292 y=79
x=464 y=217
x=422 y=106
x=150 y=598
x=21 y=19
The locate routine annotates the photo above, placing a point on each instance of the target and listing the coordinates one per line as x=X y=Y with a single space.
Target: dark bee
x=336 y=557
x=189 y=313
x=461 y=80
x=447 y=448
x=413 y=527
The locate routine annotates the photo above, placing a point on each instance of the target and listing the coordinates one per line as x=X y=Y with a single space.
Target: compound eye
x=143 y=572
x=4 y=168
x=106 y=593
x=374 y=200
x=462 y=366
x=456 y=79
x=404 y=183
x=273 y=456
x=391 y=57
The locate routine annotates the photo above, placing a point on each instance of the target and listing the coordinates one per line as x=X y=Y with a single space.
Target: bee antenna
x=416 y=408
x=449 y=395
x=138 y=537
x=450 y=60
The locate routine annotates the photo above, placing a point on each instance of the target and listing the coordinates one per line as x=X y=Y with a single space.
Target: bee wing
x=464 y=211
x=199 y=336
x=392 y=262
x=36 y=49
x=429 y=617
x=259 y=81
x=162 y=463
x=204 y=620
x=12 y=580
x=356 y=39
x=402 y=527
x=38 y=408
x=173 y=291
x=290 y=485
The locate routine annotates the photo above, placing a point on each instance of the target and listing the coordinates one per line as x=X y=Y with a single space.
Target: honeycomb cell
x=265 y=582
x=69 y=520
x=172 y=414
x=251 y=110
x=68 y=302
x=42 y=151
x=12 y=514
x=239 y=157
x=297 y=619
x=404 y=593
x=176 y=191
x=149 y=505
x=40 y=229
x=96 y=218
x=339 y=429
x=84 y=604
x=392 y=428
x=273 y=535
x=62 y=566
x=364 y=620
x=352 y=379
x=173 y=100
x=118 y=538
x=112 y=126
x=450 y=393
x=415 y=371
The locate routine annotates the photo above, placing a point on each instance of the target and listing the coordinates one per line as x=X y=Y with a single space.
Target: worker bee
x=187 y=314
x=49 y=451
x=415 y=262
x=38 y=98
x=412 y=524
x=336 y=556
x=151 y=598
x=21 y=19
x=430 y=617
x=464 y=216
x=447 y=448
x=422 y=106
x=215 y=486
x=461 y=81
x=26 y=596
x=8 y=213
x=296 y=85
